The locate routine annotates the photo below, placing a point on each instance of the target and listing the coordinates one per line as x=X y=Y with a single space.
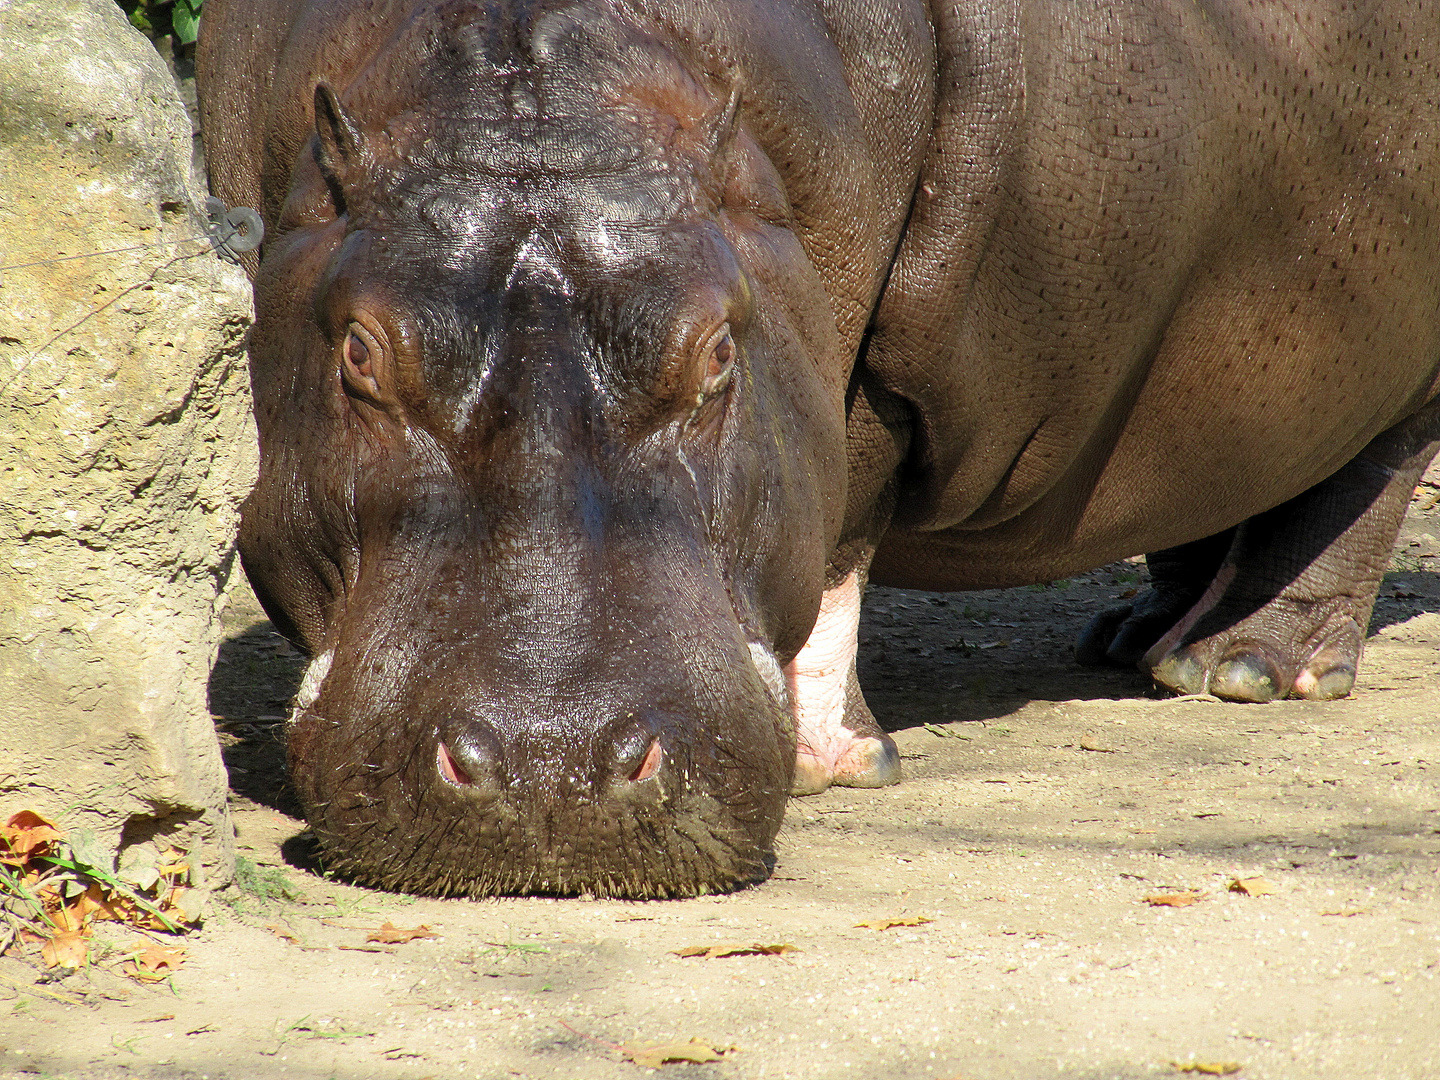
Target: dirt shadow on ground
x=931 y=658
x=254 y=679
x=1403 y=596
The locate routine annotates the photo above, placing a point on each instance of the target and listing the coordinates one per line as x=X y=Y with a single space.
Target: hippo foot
x=1179 y=577
x=1285 y=616
x=837 y=739
x=853 y=752
x=1119 y=636
x=1286 y=649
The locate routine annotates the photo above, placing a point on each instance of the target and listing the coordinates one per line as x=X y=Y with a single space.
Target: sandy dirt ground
x=1043 y=803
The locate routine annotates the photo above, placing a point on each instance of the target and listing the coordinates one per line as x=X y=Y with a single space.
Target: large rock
x=125 y=441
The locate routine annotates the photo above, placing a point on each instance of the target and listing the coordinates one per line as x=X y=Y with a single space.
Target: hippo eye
x=360 y=353
x=720 y=362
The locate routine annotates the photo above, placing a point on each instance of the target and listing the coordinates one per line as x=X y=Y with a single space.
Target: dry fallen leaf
x=712 y=952
x=390 y=934
x=1208 y=1068
x=947 y=732
x=886 y=924
x=155 y=964
x=1180 y=899
x=63 y=917
x=1252 y=886
x=172 y=863
x=94 y=906
x=24 y=833
x=1095 y=746
x=68 y=949
x=128 y=910
x=90 y=906
x=282 y=933
x=651 y=1055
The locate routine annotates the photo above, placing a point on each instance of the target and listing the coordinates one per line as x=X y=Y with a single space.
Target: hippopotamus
x=605 y=349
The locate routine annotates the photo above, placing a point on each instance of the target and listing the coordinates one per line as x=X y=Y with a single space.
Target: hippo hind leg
x=1287 y=611
x=1179 y=577
x=838 y=740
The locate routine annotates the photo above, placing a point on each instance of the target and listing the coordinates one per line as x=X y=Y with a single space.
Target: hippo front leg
x=837 y=738
x=1287 y=611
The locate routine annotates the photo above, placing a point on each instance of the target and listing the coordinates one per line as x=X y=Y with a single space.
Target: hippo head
x=552 y=426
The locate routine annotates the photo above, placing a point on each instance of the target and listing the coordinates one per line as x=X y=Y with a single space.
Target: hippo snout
x=569 y=795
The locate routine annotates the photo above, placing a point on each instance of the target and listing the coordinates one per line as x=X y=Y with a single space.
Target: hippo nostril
x=470 y=758
x=449 y=768
x=649 y=764
x=630 y=752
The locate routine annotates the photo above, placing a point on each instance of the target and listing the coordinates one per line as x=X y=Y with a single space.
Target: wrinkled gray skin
x=595 y=339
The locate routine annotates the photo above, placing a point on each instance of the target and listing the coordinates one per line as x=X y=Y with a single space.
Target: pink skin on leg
x=819 y=679
x=1198 y=611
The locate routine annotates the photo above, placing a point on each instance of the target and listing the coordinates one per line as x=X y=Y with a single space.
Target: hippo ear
x=340 y=152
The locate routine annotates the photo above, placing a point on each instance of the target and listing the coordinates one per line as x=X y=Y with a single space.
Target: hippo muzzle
x=540 y=686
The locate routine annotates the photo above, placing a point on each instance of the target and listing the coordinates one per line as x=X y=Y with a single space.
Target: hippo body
x=603 y=349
